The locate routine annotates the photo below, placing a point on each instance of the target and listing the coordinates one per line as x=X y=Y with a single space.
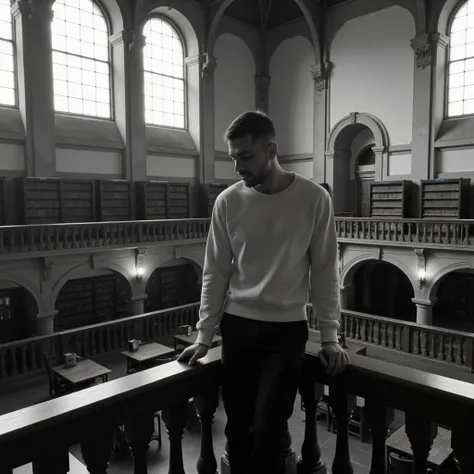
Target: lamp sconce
x=139 y=260
x=421 y=255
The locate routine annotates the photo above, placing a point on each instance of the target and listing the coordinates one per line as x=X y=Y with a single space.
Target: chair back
x=49 y=372
x=399 y=465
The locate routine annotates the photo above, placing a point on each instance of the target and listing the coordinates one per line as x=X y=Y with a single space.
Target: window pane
x=7 y=64
x=163 y=57
x=81 y=70
x=469 y=107
x=455 y=109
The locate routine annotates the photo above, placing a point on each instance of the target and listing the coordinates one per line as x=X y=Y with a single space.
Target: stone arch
x=350 y=269
x=432 y=288
x=35 y=292
x=162 y=262
x=113 y=15
x=444 y=18
x=69 y=274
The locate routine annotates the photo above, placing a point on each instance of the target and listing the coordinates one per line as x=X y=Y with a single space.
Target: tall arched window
x=7 y=63
x=461 y=62
x=81 y=59
x=163 y=60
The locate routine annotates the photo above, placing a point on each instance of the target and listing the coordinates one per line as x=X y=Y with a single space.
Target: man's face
x=252 y=159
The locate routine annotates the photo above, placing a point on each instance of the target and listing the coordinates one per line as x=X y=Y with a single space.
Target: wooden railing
x=409 y=231
x=43 y=433
x=446 y=345
x=54 y=237
x=26 y=356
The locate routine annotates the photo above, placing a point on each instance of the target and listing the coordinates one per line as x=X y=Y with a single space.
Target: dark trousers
x=262 y=368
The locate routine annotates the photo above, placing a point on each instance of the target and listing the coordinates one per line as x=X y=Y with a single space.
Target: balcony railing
x=26 y=356
x=42 y=433
x=443 y=345
x=407 y=231
x=57 y=237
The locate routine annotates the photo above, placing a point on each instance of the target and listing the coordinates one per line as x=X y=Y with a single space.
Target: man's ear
x=273 y=150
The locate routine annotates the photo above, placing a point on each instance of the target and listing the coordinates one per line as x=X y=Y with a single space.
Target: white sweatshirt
x=259 y=252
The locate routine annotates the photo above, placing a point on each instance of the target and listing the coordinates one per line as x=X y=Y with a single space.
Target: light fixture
x=421 y=256
x=139 y=263
x=140 y=272
x=421 y=276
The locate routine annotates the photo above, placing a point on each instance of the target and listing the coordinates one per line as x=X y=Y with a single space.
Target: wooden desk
x=440 y=451
x=146 y=353
x=83 y=372
x=187 y=341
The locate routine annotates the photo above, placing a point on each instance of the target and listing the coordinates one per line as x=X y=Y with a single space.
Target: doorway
x=365 y=174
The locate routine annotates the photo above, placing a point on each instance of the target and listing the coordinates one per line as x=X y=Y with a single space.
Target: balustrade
x=26 y=356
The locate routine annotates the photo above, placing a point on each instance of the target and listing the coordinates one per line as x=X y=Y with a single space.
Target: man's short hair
x=255 y=123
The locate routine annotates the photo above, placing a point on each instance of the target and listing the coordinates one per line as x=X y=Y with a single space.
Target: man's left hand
x=334 y=358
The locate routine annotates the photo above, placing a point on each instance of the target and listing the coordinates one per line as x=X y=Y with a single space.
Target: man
x=268 y=232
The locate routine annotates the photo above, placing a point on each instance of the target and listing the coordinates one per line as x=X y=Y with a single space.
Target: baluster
x=398 y=331
x=339 y=403
x=206 y=404
x=175 y=418
x=52 y=461
x=461 y=442
x=451 y=350
x=96 y=450
x=416 y=342
x=459 y=353
x=14 y=367
x=378 y=422
x=138 y=431
x=424 y=343
x=421 y=433
x=364 y=330
x=357 y=329
x=432 y=339
x=371 y=332
x=310 y=460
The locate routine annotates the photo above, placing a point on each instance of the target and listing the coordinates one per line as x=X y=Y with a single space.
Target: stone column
x=35 y=84
x=345 y=296
x=208 y=64
x=262 y=86
x=426 y=49
x=320 y=73
x=137 y=305
x=127 y=52
x=45 y=323
x=424 y=311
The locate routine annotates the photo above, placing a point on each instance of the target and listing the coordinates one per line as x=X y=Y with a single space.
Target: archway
x=18 y=311
x=175 y=283
x=454 y=308
x=91 y=296
x=350 y=138
x=382 y=289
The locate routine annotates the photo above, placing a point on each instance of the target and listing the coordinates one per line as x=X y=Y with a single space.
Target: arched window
x=163 y=60
x=7 y=63
x=461 y=62
x=81 y=59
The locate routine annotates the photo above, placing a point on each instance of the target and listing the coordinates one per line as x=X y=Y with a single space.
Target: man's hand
x=334 y=358
x=192 y=353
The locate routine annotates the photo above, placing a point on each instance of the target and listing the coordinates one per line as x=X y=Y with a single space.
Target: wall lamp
x=421 y=256
x=139 y=263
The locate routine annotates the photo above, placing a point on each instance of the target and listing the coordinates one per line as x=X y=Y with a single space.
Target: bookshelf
x=178 y=201
x=152 y=199
x=390 y=198
x=78 y=201
x=213 y=190
x=114 y=200
x=445 y=198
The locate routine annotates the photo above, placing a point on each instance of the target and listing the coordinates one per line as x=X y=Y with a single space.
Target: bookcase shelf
x=114 y=201
x=78 y=201
x=444 y=198
x=152 y=199
x=178 y=201
x=390 y=198
x=39 y=200
x=213 y=190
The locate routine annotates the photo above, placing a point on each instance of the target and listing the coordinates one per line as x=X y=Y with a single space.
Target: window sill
x=11 y=125
x=456 y=131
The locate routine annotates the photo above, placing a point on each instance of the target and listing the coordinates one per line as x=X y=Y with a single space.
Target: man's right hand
x=192 y=353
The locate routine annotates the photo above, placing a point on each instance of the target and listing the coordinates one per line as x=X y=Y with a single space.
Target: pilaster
x=137 y=305
x=35 y=84
x=262 y=86
x=45 y=323
x=320 y=73
x=127 y=51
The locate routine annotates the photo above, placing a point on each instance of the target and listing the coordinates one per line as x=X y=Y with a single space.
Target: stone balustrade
x=444 y=345
x=41 y=434
x=27 y=356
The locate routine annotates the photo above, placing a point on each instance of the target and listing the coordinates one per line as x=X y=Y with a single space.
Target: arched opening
x=18 y=310
x=455 y=306
x=383 y=289
x=92 y=297
x=174 y=284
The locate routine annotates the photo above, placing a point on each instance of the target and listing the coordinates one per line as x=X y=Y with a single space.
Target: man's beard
x=252 y=180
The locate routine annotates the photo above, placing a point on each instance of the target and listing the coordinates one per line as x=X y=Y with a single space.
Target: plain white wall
x=225 y=170
x=373 y=71
x=303 y=168
x=291 y=96
x=399 y=164
x=12 y=157
x=234 y=83
x=72 y=160
x=455 y=161
x=171 y=166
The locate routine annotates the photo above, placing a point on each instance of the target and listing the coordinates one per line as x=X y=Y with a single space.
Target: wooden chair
x=56 y=389
x=399 y=465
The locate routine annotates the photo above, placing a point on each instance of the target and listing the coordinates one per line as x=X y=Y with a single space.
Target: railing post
x=310 y=460
x=52 y=461
x=421 y=432
x=96 y=450
x=376 y=412
x=175 y=418
x=339 y=403
x=206 y=404
x=461 y=442
x=138 y=431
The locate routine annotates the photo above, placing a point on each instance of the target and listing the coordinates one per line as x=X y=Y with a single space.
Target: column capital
x=33 y=9
x=321 y=73
x=424 y=303
x=208 y=67
x=129 y=38
x=139 y=298
x=47 y=315
x=422 y=48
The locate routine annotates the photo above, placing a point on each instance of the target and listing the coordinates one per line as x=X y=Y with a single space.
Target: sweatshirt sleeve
x=216 y=275
x=324 y=276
